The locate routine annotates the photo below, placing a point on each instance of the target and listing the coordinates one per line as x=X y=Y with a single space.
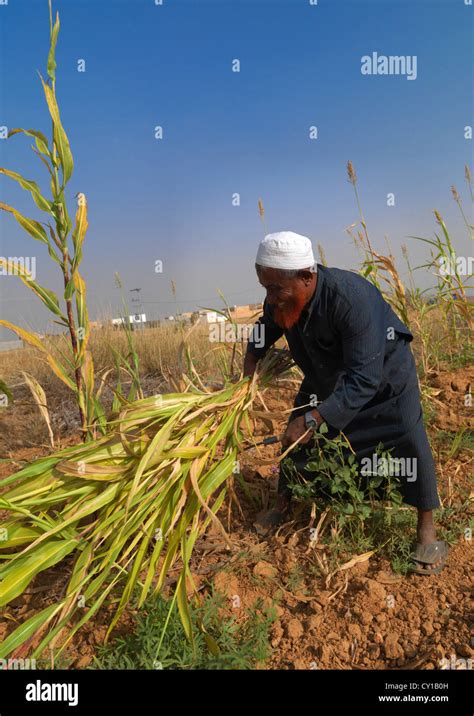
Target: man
x=359 y=373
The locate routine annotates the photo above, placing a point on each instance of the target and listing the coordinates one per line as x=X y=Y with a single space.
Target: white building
x=210 y=317
x=134 y=319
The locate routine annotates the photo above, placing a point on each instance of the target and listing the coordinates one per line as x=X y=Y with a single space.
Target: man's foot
x=429 y=554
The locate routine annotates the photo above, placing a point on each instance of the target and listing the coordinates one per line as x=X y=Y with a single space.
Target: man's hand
x=294 y=431
x=297 y=428
x=250 y=364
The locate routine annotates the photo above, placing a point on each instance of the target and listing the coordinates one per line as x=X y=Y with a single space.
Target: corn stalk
x=64 y=244
x=125 y=509
x=451 y=284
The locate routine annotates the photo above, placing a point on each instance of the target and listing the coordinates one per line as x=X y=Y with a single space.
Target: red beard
x=288 y=315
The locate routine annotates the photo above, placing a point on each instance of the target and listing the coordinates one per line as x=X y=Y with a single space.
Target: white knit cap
x=285 y=250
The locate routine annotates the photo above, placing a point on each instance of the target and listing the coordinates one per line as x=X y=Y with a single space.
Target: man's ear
x=307 y=276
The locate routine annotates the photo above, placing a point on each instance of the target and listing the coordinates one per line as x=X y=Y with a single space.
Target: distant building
x=134 y=319
x=245 y=310
x=206 y=316
x=210 y=317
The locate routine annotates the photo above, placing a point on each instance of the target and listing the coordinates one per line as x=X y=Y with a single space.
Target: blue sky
x=225 y=132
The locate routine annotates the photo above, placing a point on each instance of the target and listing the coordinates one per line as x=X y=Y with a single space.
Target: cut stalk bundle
x=126 y=508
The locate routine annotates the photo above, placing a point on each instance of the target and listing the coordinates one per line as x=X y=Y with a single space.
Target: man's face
x=288 y=296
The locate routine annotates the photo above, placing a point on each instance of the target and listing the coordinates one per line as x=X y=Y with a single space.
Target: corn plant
x=451 y=284
x=451 y=295
x=126 y=509
x=64 y=244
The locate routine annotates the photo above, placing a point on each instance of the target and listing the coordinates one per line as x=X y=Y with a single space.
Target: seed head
x=322 y=256
x=351 y=173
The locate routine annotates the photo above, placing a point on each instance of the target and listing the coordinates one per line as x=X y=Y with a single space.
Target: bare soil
x=362 y=617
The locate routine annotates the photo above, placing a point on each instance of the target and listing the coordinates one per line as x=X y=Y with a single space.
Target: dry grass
x=157 y=349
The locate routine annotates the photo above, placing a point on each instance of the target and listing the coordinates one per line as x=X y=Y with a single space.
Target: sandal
x=425 y=554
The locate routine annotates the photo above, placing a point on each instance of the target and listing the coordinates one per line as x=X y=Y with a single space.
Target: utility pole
x=136 y=307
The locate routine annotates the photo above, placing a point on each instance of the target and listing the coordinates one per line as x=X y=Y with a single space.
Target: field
x=334 y=602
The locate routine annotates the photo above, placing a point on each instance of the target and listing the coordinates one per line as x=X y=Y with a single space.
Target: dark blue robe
x=356 y=358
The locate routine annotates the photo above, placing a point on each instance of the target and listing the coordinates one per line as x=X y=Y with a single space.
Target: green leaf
x=22 y=570
x=35 y=469
x=65 y=219
x=51 y=69
x=69 y=290
x=33 y=227
x=80 y=229
x=32 y=187
x=183 y=607
x=27 y=629
x=43 y=161
x=47 y=296
x=35 y=341
x=100 y=415
x=18 y=535
x=59 y=135
x=40 y=139
x=80 y=568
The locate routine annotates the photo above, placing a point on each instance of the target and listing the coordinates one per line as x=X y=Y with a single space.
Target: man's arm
x=362 y=328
